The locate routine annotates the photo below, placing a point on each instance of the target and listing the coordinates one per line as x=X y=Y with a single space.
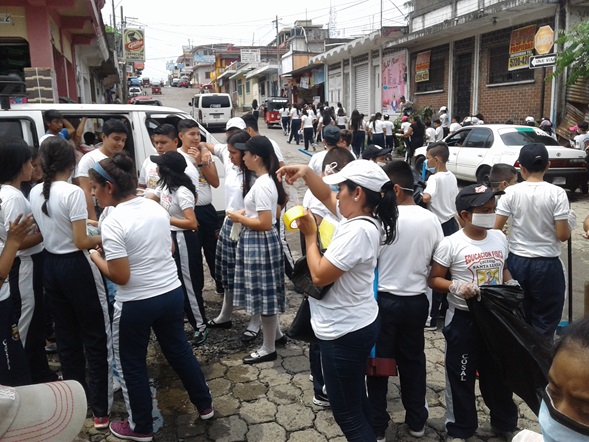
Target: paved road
x=273 y=401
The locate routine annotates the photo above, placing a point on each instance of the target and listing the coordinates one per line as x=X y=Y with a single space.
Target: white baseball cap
x=364 y=173
x=52 y=411
x=235 y=122
x=443 y=108
x=530 y=119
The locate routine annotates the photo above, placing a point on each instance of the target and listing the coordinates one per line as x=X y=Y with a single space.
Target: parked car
x=133 y=81
x=184 y=82
x=475 y=149
x=212 y=110
x=135 y=91
x=145 y=99
x=175 y=82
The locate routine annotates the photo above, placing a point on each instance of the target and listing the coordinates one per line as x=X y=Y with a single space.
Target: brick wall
x=39 y=82
x=512 y=101
x=434 y=100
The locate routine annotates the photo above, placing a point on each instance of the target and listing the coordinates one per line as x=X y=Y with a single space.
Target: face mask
x=381 y=163
x=556 y=427
x=429 y=168
x=334 y=188
x=484 y=220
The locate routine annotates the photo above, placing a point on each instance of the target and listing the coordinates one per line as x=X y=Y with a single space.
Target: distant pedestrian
x=388 y=128
x=455 y=125
x=341 y=119
x=416 y=134
x=358 y=128
x=285 y=119
x=255 y=109
x=444 y=120
x=295 y=124
x=376 y=130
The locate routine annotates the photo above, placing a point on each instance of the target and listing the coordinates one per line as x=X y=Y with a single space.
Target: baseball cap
x=404 y=118
x=373 y=151
x=545 y=123
x=258 y=145
x=443 y=108
x=475 y=195
x=52 y=411
x=235 y=122
x=173 y=159
x=530 y=119
x=534 y=154
x=331 y=134
x=364 y=173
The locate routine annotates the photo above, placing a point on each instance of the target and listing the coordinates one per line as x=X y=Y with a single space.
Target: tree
x=575 y=53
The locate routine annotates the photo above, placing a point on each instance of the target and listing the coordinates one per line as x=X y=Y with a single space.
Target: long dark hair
x=172 y=180
x=383 y=204
x=14 y=153
x=377 y=116
x=271 y=163
x=122 y=170
x=356 y=120
x=241 y=137
x=56 y=156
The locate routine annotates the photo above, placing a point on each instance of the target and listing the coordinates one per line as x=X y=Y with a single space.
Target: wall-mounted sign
x=133 y=44
x=521 y=47
x=544 y=40
x=6 y=19
x=250 y=55
x=422 y=66
x=204 y=58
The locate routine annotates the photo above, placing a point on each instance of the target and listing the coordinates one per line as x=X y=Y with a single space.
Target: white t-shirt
x=341 y=120
x=405 y=125
x=454 y=127
x=349 y=304
x=404 y=265
x=534 y=207
x=148 y=175
x=233 y=179
x=284 y=112
x=139 y=230
x=203 y=188
x=175 y=202
x=439 y=133
x=12 y=204
x=277 y=150
x=262 y=196
x=308 y=121
x=443 y=188
x=377 y=127
x=316 y=161
x=430 y=135
x=388 y=127
x=479 y=262
x=67 y=203
x=581 y=141
x=87 y=162
x=294 y=114
x=444 y=119
x=311 y=202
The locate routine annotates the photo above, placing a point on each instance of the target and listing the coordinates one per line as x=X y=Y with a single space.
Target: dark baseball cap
x=331 y=134
x=258 y=145
x=533 y=156
x=374 y=150
x=172 y=159
x=473 y=196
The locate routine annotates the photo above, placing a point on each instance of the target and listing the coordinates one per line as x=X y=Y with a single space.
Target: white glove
x=572 y=220
x=235 y=229
x=464 y=289
x=512 y=282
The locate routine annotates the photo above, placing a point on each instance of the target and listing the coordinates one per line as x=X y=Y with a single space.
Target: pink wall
x=39 y=37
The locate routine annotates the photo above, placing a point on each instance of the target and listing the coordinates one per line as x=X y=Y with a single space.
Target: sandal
x=249 y=336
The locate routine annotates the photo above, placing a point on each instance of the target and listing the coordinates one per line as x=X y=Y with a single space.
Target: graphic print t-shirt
x=480 y=262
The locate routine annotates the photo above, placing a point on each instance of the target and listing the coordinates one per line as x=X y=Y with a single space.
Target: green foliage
x=575 y=55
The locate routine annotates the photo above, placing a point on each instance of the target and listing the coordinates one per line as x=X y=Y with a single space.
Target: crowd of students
x=144 y=271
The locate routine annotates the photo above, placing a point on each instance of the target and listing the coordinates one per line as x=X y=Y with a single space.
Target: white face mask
x=556 y=427
x=484 y=220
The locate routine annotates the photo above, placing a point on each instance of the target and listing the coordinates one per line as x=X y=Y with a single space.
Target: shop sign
x=544 y=40
x=133 y=44
x=422 y=66
x=521 y=47
x=250 y=55
x=6 y=19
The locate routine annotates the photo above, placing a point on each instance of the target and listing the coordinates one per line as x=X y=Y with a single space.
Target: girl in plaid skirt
x=259 y=262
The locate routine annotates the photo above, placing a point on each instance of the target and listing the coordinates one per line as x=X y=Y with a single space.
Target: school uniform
x=377 y=127
x=307 y=120
x=87 y=162
x=388 y=134
x=295 y=125
x=534 y=258
x=341 y=121
x=259 y=266
x=403 y=268
x=25 y=282
x=285 y=120
x=76 y=293
x=187 y=254
x=482 y=263
x=359 y=139
x=152 y=299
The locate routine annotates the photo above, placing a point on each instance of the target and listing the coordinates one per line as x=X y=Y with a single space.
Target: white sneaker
x=321 y=401
x=381 y=439
x=419 y=433
x=311 y=377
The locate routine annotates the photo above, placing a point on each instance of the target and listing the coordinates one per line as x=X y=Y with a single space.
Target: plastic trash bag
x=522 y=355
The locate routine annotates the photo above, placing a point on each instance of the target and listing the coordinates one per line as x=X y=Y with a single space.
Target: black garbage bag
x=522 y=355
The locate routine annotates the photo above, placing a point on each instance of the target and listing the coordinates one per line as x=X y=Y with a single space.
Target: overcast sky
x=171 y=24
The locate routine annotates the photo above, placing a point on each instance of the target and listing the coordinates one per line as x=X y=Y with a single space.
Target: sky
x=176 y=23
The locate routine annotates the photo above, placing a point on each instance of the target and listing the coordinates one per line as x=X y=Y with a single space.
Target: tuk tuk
x=156 y=89
x=145 y=82
x=272 y=110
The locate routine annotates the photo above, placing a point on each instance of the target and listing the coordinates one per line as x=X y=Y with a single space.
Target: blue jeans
x=344 y=367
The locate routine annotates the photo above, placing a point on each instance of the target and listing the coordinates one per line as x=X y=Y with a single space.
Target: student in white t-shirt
x=345 y=319
x=430 y=132
x=138 y=252
x=73 y=285
x=403 y=268
x=341 y=119
x=455 y=125
x=259 y=260
x=389 y=128
x=177 y=194
x=440 y=195
x=474 y=256
x=308 y=119
x=540 y=222
x=26 y=275
x=439 y=130
x=285 y=119
x=295 y=124
x=376 y=130
x=114 y=136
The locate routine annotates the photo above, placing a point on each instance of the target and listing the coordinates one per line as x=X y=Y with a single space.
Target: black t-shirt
x=417 y=135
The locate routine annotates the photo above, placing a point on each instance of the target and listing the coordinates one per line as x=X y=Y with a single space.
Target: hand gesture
x=20 y=228
x=307 y=224
x=291 y=173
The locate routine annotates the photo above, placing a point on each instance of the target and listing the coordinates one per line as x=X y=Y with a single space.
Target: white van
x=26 y=121
x=212 y=110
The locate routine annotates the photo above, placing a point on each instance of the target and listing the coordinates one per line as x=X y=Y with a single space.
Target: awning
x=268 y=69
x=239 y=72
x=225 y=73
x=302 y=70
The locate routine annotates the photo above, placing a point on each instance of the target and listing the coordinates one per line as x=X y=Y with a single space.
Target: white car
x=134 y=91
x=475 y=149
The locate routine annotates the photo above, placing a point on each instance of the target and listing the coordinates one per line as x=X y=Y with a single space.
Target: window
x=458 y=138
x=436 y=75
x=523 y=136
x=215 y=101
x=262 y=88
x=479 y=138
x=247 y=87
x=498 y=67
x=239 y=88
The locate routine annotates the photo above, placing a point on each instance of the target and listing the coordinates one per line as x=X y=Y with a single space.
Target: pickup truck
x=26 y=121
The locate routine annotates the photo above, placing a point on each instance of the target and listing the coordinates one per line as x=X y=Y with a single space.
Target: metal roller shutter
x=335 y=87
x=361 y=88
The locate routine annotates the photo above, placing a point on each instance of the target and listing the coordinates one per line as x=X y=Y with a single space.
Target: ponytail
x=56 y=156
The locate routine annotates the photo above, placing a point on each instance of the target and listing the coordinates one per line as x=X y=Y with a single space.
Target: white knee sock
x=278 y=331
x=226 y=309
x=269 y=334
x=254 y=324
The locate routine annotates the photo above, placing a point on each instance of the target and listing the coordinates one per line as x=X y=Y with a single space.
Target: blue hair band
x=103 y=173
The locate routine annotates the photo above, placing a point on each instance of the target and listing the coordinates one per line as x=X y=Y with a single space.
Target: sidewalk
x=272 y=401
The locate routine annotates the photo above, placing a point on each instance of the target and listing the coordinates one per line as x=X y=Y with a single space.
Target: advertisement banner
x=394 y=80
x=422 y=66
x=250 y=55
x=319 y=75
x=521 y=47
x=133 y=44
x=204 y=58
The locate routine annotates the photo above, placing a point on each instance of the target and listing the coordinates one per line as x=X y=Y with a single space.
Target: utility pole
x=277 y=52
x=124 y=85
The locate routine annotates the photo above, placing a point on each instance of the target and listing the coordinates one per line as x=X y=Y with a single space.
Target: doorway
x=463 y=85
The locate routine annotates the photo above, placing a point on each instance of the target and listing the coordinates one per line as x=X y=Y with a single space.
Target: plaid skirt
x=259 y=273
x=225 y=255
